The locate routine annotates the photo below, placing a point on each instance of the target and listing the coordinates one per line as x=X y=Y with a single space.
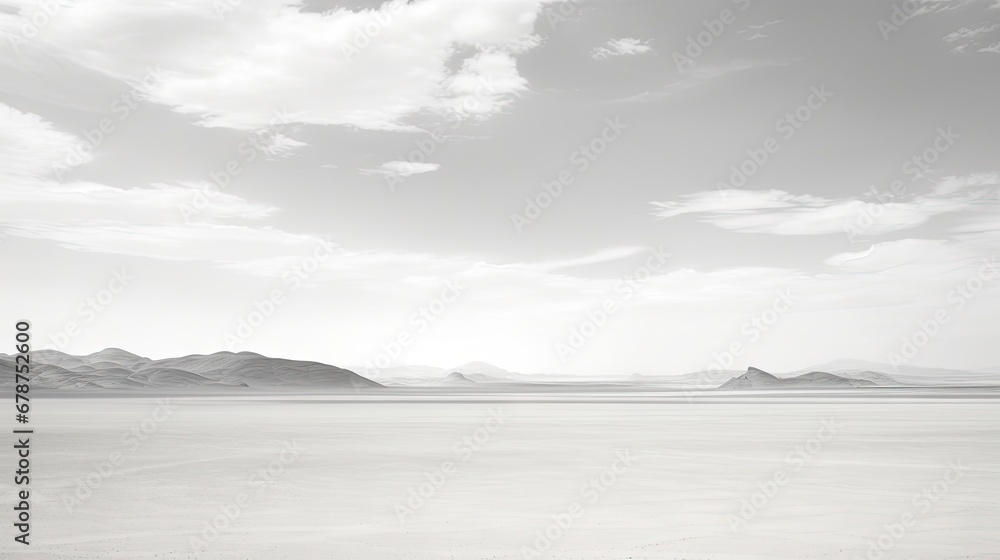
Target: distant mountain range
x=759 y=379
x=114 y=368
x=478 y=372
x=117 y=369
x=854 y=371
x=916 y=376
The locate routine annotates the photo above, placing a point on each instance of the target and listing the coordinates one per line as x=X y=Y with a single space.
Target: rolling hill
x=455 y=378
x=114 y=368
x=914 y=376
x=759 y=379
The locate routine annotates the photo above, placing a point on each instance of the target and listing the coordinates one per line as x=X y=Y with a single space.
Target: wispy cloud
x=699 y=76
x=402 y=168
x=144 y=221
x=782 y=213
x=982 y=32
x=29 y=146
x=756 y=31
x=620 y=47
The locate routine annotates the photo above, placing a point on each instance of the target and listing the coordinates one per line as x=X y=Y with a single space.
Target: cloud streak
x=781 y=213
x=620 y=47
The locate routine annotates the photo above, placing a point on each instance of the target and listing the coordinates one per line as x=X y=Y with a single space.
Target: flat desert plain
x=809 y=475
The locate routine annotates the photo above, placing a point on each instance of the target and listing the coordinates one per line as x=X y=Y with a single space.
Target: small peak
x=456 y=377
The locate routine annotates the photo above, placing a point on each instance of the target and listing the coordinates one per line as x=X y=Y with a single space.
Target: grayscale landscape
x=499 y=279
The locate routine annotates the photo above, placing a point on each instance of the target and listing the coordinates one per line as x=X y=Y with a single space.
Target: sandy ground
x=749 y=477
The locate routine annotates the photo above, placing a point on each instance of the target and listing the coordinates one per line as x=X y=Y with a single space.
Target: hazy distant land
x=114 y=368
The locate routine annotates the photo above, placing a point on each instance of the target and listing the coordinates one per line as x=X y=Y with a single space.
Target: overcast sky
x=592 y=187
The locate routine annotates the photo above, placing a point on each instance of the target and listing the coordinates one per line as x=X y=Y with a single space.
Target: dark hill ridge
x=117 y=369
x=759 y=379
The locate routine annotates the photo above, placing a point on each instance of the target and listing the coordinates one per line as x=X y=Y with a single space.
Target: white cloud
x=757 y=30
x=157 y=203
x=30 y=145
x=893 y=254
x=953 y=184
x=967 y=33
x=402 y=168
x=279 y=146
x=143 y=221
x=782 y=213
x=980 y=34
x=599 y=257
x=485 y=85
x=166 y=241
x=372 y=69
x=148 y=222
x=620 y=47
x=521 y=44
x=700 y=75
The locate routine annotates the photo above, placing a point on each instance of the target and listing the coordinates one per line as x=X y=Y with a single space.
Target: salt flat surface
x=341 y=470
